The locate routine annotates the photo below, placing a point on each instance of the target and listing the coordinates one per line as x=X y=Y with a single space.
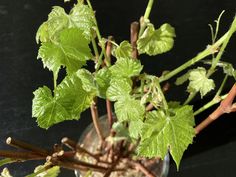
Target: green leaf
x=71 y=93
x=87 y=79
x=69 y=101
x=81 y=17
x=48 y=110
x=199 y=81
x=50 y=30
x=103 y=78
x=154 y=42
x=40 y=171
x=5 y=173
x=229 y=69
x=135 y=128
x=119 y=88
x=6 y=161
x=161 y=133
x=124 y=50
x=121 y=130
x=126 y=67
x=72 y=51
x=129 y=109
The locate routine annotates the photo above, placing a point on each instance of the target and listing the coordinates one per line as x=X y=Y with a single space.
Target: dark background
x=213 y=153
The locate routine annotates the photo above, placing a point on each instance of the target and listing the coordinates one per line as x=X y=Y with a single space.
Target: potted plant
x=143 y=126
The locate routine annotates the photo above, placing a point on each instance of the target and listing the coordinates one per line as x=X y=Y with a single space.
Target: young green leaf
x=126 y=67
x=154 y=42
x=135 y=128
x=45 y=171
x=229 y=69
x=81 y=17
x=103 y=78
x=69 y=101
x=72 y=51
x=72 y=94
x=5 y=173
x=161 y=133
x=47 y=109
x=119 y=89
x=199 y=81
x=87 y=79
x=50 y=30
x=129 y=109
x=124 y=50
x=121 y=130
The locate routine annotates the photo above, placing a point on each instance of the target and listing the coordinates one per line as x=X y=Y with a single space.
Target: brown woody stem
x=134 y=29
x=21 y=155
x=23 y=145
x=94 y=113
x=108 y=103
x=69 y=143
x=226 y=106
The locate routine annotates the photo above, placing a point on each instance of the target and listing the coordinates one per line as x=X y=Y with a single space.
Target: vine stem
x=108 y=103
x=99 y=39
x=145 y=17
x=23 y=145
x=226 y=106
x=21 y=156
x=94 y=113
x=208 y=51
x=134 y=28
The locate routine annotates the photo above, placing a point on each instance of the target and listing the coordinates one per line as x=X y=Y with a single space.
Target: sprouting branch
x=20 y=144
x=226 y=106
x=108 y=103
x=134 y=29
x=94 y=113
x=208 y=51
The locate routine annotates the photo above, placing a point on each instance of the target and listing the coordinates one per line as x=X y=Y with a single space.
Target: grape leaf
x=5 y=173
x=124 y=50
x=81 y=17
x=119 y=89
x=161 y=133
x=129 y=109
x=41 y=172
x=103 y=78
x=154 y=42
x=199 y=81
x=72 y=51
x=49 y=30
x=88 y=82
x=69 y=101
x=71 y=93
x=121 y=130
x=126 y=67
x=229 y=69
x=135 y=128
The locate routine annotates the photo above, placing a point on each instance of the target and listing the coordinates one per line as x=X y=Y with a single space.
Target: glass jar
x=90 y=141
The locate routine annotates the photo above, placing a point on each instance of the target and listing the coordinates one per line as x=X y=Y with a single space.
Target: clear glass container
x=90 y=140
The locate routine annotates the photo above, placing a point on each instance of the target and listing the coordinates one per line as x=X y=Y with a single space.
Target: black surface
x=213 y=152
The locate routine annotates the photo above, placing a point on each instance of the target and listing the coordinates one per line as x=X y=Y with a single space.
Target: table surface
x=213 y=153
